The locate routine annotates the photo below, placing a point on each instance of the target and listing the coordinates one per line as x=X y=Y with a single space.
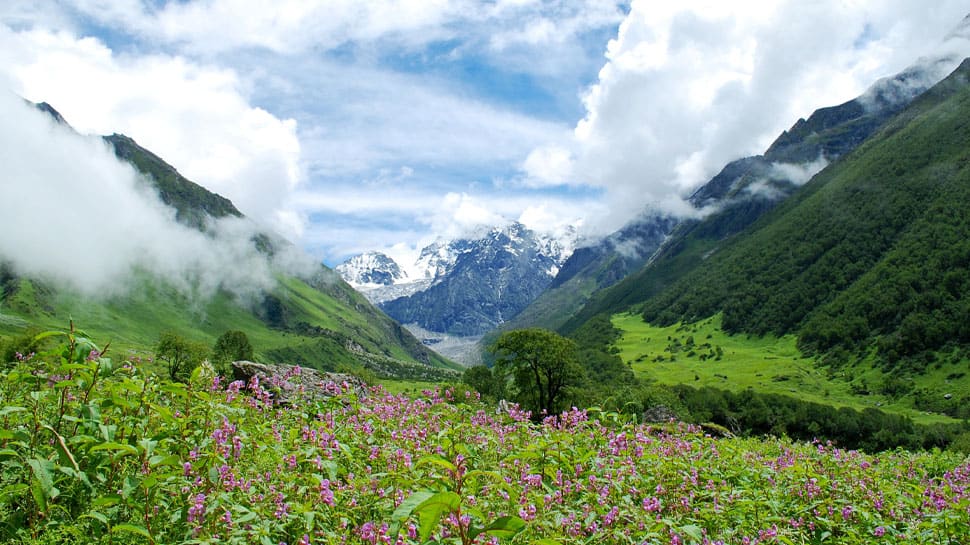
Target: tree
x=233 y=345
x=179 y=354
x=484 y=381
x=543 y=366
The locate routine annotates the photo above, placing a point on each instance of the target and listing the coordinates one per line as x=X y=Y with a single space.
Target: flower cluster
x=352 y=463
x=177 y=463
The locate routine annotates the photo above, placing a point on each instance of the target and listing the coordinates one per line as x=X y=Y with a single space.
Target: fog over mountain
x=74 y=214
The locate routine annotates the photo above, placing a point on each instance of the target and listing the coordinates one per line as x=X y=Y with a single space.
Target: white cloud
x=548 y=165
x=402 y=220
x=182 y=79
x=799 y=174
x=689 y=86
x=71 y=213
x=366 y=119
x=548 y=218
x=685 y=88
x=196 y=117
x=294 y=26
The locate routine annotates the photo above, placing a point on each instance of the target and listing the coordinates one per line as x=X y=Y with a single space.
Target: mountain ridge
x=866 y=265
x=747 y=188
x=476 y=284
x=312 y=318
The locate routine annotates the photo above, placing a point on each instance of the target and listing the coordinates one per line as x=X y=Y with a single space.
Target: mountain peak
x=371 y=269
x=49 y=110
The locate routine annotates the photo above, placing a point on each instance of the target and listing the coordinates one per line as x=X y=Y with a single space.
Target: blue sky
x=351 y=126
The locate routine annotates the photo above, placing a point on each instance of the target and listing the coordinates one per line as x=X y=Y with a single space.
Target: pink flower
x=651 y=504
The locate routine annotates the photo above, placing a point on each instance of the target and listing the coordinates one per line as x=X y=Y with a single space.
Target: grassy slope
x=767 y=364
x=132 y=323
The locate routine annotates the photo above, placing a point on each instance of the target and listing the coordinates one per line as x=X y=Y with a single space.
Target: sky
x=349 y=126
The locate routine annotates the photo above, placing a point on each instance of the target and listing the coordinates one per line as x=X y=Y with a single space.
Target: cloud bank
x=690 y=86
x=195 y=116
x=351 y=126
x=72 y=214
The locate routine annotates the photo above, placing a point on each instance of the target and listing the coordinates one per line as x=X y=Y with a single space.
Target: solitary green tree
x=233 y=345
x=180 y=355
x=543 y=366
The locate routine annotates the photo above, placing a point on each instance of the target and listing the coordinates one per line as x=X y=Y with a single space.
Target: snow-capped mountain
x=371 y=269
x=465 y=286
x=483 y=282
x=437 y=259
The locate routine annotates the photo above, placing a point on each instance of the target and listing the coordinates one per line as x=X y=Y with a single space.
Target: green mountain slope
x=315 y=319
x=874 y=249
x=740 y=193
x=749 y=187
x=865 y=270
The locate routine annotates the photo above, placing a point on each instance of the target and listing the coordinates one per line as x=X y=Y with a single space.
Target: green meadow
x=702 y=354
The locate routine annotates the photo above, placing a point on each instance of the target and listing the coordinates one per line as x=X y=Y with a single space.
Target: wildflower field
x=93 y=451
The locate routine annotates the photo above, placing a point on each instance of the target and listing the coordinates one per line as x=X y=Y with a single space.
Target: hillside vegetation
x=702 y=355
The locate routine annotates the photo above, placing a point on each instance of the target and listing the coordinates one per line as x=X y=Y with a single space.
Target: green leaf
x=436 y=460
x=176 y=388
x=431 y=510
x=331 y=468
x=96 y=516
x=46 y=334
x=10 y=410
x=170 y=460
x=501 y=527
x=404 y=511
x=693 y=531
x=132 y=529
x=37 y=491
x=148 y=445
x=12 y=492
x=106 y=501
x=112 y=446
x=42 y=477
x=494 y=475
x=9 y=453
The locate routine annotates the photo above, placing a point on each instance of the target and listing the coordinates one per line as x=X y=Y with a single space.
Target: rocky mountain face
x=467 y=286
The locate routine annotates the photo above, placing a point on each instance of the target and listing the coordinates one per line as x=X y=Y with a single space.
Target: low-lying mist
x=72 y=214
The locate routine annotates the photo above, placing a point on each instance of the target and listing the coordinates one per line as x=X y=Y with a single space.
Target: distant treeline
x=752 y=413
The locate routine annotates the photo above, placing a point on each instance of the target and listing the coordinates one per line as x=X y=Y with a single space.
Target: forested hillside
x=873 y=250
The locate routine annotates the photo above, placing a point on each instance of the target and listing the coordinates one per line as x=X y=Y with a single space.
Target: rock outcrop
x=286 y=382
